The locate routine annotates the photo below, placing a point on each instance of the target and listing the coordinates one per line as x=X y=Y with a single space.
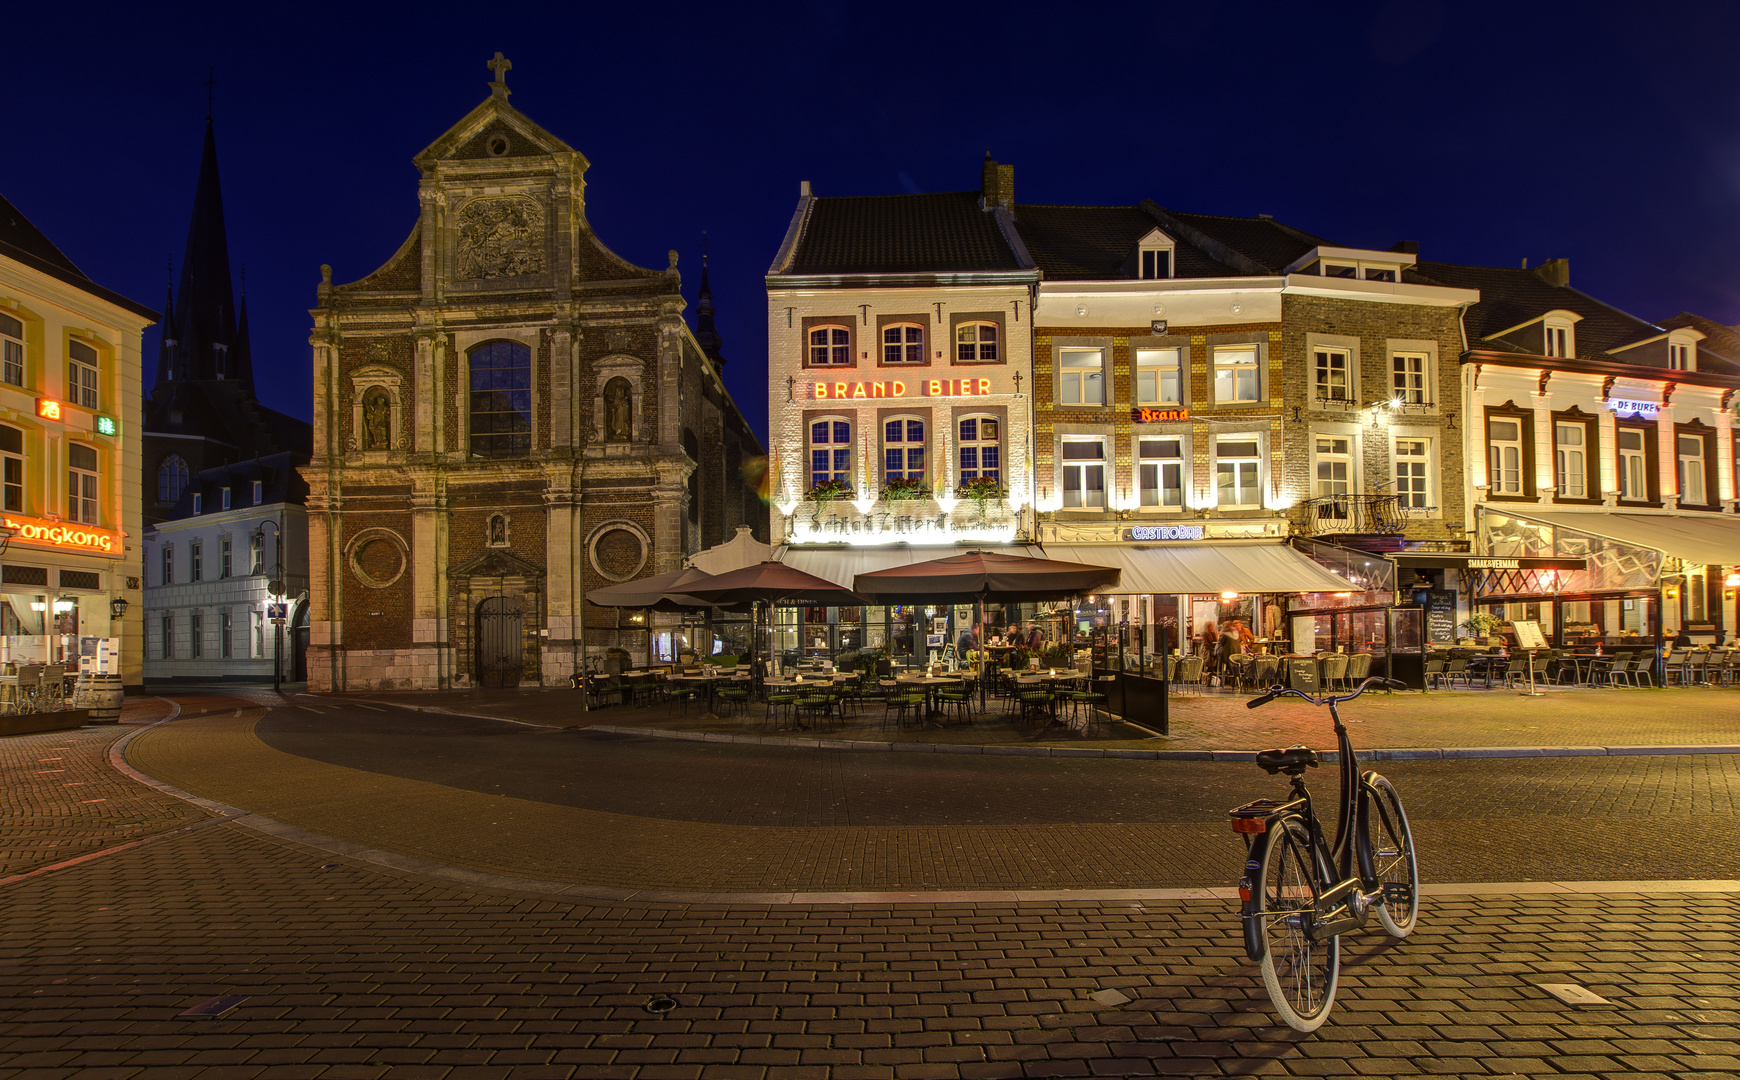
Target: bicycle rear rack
x=1253 y=816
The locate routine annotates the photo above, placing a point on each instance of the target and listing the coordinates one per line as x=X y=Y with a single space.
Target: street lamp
x=275 y=586
x=118 y=608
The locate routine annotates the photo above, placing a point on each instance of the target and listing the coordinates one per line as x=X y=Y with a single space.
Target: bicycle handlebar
x=1286 y=691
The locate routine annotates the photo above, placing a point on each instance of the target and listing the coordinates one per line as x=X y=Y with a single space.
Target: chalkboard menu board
x=1440 y=617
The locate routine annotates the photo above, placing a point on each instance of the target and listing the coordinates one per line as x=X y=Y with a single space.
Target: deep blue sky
x=1488 y=132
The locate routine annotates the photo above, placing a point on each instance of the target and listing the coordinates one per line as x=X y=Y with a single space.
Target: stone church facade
x=506 y=415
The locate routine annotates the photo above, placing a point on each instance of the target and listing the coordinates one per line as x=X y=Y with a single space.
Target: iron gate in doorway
x=500 y=642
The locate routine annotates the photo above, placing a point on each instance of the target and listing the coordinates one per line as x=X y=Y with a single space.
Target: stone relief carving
x=617 y=411
x=501 y=238
x=377 y=421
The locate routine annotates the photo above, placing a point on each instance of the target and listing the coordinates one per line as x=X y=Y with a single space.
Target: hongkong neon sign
x=897 y=388
x=32 y=531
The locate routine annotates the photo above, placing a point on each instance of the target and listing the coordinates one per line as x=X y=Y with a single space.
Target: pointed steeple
x=166 y=330
x=705 y=334
x=205 y=326
x=241 y=362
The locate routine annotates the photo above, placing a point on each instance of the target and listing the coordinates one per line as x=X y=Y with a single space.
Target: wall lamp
x=118 y=608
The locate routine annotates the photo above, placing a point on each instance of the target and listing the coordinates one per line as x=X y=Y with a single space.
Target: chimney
x=803 y=189
x=1555 y=272
x=997 y=184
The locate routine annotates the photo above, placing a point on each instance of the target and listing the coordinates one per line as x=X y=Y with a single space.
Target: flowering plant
x=909 y=488
x=982 y=489
x=826 y=492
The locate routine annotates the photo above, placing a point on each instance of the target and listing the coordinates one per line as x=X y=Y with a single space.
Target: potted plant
x=1482 y=624
x=907 y=489
x=981 y=490
x=824 y=494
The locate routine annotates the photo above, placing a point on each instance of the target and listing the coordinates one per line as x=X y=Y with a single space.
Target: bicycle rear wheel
x=1300 y=974
x=1389 y=844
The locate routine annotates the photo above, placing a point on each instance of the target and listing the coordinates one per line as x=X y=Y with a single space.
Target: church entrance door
x=500 y=642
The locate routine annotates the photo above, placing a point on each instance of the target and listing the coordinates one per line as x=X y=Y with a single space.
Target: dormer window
x=1558 y=339
x=224 y=497
x=1154 y=255
x=1681 y=357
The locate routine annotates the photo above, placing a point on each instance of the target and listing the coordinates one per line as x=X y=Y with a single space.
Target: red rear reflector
x=1249 y=825
x=1244 y=894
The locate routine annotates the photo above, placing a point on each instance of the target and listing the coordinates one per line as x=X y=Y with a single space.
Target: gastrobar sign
x=899 y=388
x=1638 y=408
x=59 y=534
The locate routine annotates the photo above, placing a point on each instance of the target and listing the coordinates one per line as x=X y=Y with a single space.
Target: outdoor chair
x=1517 y=667
x=902 y=705
x=778 y=701
x=732 y=698
x=957 y=701
x=1675 y=666
x=1434 y=673
x=1620 y=673
x=1358 y=667
x=1455 y=668
x=681 y=694
x=1643 y=668
x=1334 y=670
x=1723 y=675
x=1264 y=672
x=1699 y=666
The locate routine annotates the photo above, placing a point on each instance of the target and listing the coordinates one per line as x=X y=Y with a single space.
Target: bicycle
x=1299 y=893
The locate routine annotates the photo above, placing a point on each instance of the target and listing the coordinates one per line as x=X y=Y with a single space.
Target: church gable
x=496 y=140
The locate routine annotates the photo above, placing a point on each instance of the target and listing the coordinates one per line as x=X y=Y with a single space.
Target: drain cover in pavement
x=212 y=1008
x=1111 y=999
x=1572 y=994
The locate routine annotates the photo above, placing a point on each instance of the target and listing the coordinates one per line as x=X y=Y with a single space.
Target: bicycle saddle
x=1293 y=761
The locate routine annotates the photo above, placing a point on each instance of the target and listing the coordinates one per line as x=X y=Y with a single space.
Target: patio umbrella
x=773 y=583
x=660 y=592
x=978 y=576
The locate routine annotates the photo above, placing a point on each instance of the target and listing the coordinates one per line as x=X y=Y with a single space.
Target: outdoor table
x=930 y=684
x=1484 y=666
x=712 y=683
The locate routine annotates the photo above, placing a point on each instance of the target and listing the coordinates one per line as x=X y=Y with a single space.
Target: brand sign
x=897 y=388
x=1166 y=532
x=48 y=408
x=1150 y=414
x=1641 y=408
x=57 y=534
x=1493 y=564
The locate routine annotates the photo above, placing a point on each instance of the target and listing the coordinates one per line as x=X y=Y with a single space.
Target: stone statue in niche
x=618 y=421
x=377 y=421
x=497 y=531
x=501 y=238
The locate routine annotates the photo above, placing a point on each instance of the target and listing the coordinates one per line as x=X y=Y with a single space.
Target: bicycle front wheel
x=1390 y=845
x=1300 y=974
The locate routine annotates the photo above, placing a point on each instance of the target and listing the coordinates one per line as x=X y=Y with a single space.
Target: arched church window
x=501 y=400
x=171 y=478
x=618 y=410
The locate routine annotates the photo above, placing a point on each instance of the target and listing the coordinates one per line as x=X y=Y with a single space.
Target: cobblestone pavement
x=643 y=814
x=1676 y=716
x=345 y=970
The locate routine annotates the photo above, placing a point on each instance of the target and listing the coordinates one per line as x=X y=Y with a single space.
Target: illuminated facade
x=69 y=424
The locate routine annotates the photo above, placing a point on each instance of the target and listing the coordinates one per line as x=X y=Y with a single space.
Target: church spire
x=705 y=334
x=241 y=361
x=166 y=344
x=205 y=324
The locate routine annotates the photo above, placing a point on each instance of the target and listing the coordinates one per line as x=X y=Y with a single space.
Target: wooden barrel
x=103 y=696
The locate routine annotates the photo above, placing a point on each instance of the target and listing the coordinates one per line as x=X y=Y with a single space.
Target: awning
x=1244 y=567
x=1703 y=539
x=841 y=564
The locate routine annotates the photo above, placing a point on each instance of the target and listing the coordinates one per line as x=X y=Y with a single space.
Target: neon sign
x=1641 y=408
x=48 y=408
x=1166 y=532
x=35 y=531
x=105 y=425
x=1148 y=414
x=895 y=388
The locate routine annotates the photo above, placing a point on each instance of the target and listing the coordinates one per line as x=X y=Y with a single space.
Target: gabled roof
x=1511 y=296
x=23 y=242
x=1720 y=342
x=1087 y=243
x=901 y=234
x=280 y=482
x=1261 y=239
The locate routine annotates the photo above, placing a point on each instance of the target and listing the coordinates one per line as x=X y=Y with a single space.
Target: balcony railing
x=1360 y=515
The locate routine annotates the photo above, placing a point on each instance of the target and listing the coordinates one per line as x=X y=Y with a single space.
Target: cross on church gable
x=501 y=65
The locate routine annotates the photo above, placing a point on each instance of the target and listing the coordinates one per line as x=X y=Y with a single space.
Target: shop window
x=1235 y=374
x=1160 y=472
x=1084 y=474
x=81 y=375
x=1237 y=464
x=903 y=343
x=81 y=484
x=11 y=350
x=903 y=449
x=830 y=451
x=501 y=400
x=981 y=449
x=12 y=469
x=976 y=342
x=1159 y=377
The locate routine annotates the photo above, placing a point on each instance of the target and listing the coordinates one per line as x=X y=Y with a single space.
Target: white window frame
x=81 y=375
x=166 y=635
x=1148 y=262
x=1152 y=376
x=899 y=353
x=971 y=341
x=1403 y=365
x=1495 y=484
x=1323 y=373
x=1074 y=379
x=1247 y=500
x=833 y=448
x=1159 y=466
x=83 y=486
x=1571 y=461
x=904 y=445
x=195 y=560
x=1626 y=459
x=832 y=353
x=225 y=628
x=1235 y=371
x=195 y=632
x=978 y=445
x=226 y=563
x=12 y=471
x=166 y=575
x=1347 y=457
x=256 y=554
x=257 y=635
x=1558 y=338
x=1681 y=472
x=11 y=349
x=1081 y=468
x=1680 y=356
x=1414 y=497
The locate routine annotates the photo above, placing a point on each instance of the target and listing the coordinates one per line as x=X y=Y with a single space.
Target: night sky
x=1489 y=133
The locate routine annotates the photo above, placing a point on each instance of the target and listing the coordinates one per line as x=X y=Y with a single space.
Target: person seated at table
x=1231 y=643
x=1210 y=645
x=1035 y=640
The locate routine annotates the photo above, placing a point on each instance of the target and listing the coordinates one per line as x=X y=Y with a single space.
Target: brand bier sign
x=897 y=388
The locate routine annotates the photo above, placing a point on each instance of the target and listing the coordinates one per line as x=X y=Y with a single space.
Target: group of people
x=1218 y=644
x=1029 y=638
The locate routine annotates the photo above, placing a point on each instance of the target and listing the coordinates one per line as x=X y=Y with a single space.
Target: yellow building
x=69 y=468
